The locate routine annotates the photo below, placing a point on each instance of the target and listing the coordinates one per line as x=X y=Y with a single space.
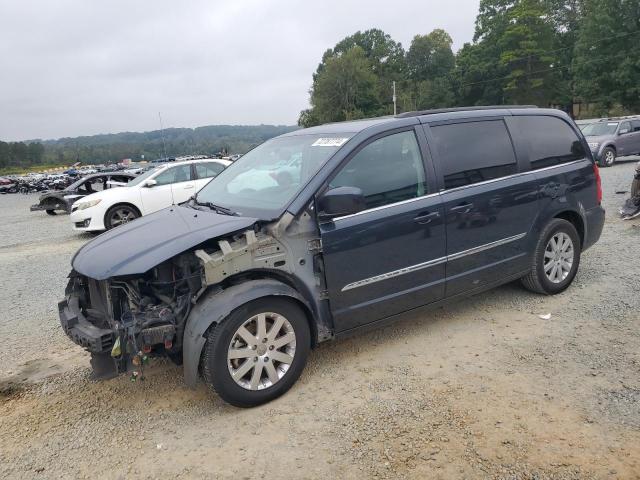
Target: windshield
x=141 y=178
x=600 y=128
x=262 y=182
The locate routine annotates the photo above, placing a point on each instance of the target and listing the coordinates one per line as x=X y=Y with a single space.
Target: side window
x=474 y=152
x=551 y=141
x=635 y=125
x=180 y=173
x=387 y=170
x=98 y=184
x=625 y=127
x=208 y=169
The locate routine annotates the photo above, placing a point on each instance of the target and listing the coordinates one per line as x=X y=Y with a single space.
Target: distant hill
x=179 y=141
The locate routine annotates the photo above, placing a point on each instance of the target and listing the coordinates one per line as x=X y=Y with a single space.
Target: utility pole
x=394 y=98
x=164 y=145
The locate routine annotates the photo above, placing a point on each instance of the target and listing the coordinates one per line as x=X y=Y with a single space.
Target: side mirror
x=340 y=201
x=150 y=183
x=623 y=131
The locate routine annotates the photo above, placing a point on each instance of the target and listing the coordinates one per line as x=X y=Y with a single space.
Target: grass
x=33 y=168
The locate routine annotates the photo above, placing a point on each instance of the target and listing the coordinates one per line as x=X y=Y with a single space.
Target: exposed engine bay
x=122 y=321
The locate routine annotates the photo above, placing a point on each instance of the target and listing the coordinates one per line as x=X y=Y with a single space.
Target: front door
x=184 y=185
x=173 y=185
x=390 y=257
x=625 y=141
x=489 y=207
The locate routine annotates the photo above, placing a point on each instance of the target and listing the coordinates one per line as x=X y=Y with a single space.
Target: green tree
x=527 y=43
x=430 y=56
x=385 y=62
x=516 y=55
x=606 y=65
x=386 y=56
x=344 y=89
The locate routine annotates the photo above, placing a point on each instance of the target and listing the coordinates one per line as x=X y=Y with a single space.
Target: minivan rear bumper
x=594 y=219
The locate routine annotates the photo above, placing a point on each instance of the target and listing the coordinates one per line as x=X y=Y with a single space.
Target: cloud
x=79 y=68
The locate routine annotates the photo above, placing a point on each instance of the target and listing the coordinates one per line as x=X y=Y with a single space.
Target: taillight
x=596 y=171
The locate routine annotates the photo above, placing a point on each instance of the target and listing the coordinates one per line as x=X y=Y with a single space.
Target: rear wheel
x=258 y=352
x=607 y=158
x=119 y=215
x=555 y=260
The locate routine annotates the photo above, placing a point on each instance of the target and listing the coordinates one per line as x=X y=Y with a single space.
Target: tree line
x=111 y=148
x=577 y=55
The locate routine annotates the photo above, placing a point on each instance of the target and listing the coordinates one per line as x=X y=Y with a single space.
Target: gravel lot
x=482 y=389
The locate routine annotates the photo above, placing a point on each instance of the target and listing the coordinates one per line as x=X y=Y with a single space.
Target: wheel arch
x=119 y=204
x=576 y=220
x=216 y=305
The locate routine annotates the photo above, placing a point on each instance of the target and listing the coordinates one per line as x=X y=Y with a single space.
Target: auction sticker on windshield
x=329 y=142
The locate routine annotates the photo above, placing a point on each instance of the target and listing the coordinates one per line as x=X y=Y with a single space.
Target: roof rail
x=617 y=119
x=461 y=109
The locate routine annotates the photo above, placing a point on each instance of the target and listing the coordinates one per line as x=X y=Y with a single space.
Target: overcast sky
x=81 y=67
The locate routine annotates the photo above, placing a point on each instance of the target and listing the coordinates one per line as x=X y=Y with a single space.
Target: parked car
x=385 y=215
x=160 y=187
x=61 y=200
x=612 y=138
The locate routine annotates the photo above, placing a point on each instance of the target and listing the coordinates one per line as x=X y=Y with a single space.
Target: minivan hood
x=136 y=247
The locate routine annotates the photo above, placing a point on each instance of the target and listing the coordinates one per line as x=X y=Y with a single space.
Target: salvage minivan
x=363 y=221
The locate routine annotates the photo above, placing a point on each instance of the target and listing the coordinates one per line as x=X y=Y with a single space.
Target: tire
x=119 y=215
x=224 y=338
x=540 y=281
x=607 y=158
x=51 y=212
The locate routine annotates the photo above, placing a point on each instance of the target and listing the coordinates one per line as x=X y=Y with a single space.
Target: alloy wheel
x=558 y=257
x=261 y=351
x=609 y=157
x=122 y=216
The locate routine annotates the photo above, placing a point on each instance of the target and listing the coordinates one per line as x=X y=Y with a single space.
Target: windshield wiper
x=216 y=208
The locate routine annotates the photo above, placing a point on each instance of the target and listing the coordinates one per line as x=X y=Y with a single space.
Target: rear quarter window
x=551 y=141
x=474 y=152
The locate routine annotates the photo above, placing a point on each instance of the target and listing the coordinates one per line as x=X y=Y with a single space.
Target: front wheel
x=607 y=158
x=555 y=260
x=119 y=215
x=258 y=352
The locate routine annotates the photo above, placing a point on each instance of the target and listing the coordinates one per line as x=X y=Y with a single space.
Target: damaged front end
x=124 y=320
x=155 y=286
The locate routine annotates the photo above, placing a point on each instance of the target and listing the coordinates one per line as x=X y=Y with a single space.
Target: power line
x=612 y=37
x=561 y=67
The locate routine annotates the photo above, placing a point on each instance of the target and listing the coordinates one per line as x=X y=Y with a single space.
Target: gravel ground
x=482 y=389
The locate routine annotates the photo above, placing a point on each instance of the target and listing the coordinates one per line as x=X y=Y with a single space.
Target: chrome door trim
x=486 y=246
x=432 y=263
x=383 y=207
x=395 y=273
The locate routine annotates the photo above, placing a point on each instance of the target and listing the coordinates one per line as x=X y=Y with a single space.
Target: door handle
x=464 y=208
x=188 y=187
x=425 y=218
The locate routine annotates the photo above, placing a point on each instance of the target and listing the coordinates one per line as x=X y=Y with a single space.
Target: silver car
x=612 y=138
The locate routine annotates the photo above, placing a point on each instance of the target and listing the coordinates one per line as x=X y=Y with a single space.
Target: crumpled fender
x=215 y=307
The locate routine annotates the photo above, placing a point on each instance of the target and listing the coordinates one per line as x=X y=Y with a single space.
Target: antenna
x=164 y=145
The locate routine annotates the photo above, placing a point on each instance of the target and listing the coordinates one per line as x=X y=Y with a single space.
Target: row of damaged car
x=95 y=204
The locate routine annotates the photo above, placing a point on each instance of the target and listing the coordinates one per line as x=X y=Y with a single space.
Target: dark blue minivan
x=323 y=231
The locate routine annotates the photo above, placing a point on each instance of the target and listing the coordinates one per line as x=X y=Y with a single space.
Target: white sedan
x=161 y=187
